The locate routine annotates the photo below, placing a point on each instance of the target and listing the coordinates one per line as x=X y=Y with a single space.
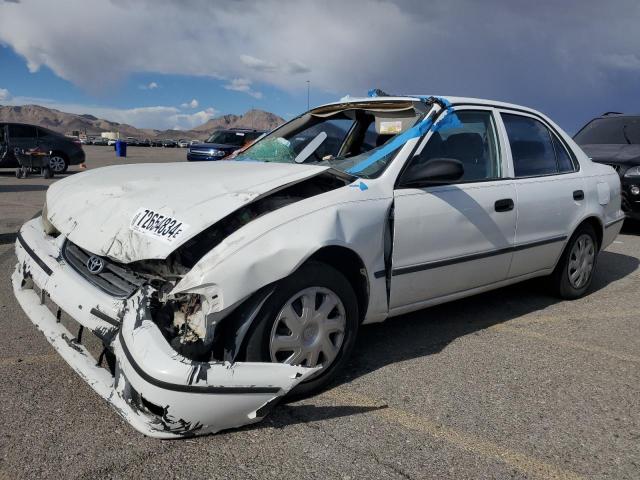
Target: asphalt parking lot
x=509 y=384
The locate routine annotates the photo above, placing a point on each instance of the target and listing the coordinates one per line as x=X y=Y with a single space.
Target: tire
x=325 y=284
x=58 y=163
x=47 y=172
x=567 y=280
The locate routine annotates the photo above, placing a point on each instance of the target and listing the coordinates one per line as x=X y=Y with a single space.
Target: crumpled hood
x=622 y=154
x=146 y=211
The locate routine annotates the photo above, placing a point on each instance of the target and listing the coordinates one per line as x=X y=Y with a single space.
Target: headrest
x=464 y=146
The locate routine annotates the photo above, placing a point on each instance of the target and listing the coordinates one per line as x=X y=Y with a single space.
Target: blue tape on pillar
x=397 y=142
x=449 y=120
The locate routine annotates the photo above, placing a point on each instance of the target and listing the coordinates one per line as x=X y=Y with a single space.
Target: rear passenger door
x=549 y=192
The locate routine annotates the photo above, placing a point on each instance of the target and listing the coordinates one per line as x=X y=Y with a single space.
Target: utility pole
x=308 y=88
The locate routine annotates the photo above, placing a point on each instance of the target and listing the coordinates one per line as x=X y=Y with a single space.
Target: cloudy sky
x=176 y=63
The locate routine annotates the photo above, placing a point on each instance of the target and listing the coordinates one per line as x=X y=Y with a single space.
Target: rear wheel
x=574 y=272
x=58 y=163
x=311 y=320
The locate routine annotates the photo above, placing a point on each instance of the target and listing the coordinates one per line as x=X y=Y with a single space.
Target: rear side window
x=565 y=164
x=44 y=133
x=22 y=131
x=531 y=146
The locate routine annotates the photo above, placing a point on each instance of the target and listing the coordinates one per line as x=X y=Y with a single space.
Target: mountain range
x=66 y=123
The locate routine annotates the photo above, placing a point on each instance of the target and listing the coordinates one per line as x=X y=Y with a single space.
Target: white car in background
x=182 y=143
x=218 y=287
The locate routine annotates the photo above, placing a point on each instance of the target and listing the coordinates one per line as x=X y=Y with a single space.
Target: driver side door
x=453 y=238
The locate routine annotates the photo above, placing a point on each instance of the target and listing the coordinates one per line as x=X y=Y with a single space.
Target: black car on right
x=222 y=143
x=614 y=139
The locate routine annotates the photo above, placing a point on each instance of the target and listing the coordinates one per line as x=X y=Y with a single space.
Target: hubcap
x=309 y=329
x=581 y=260
x=57 y=164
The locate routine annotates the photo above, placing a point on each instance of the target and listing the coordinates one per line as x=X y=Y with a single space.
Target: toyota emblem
x=95 y=265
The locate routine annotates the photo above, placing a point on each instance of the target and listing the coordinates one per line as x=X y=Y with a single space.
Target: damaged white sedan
x=217 y=288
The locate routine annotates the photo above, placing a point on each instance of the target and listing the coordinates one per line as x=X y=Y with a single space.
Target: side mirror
x=434 y=172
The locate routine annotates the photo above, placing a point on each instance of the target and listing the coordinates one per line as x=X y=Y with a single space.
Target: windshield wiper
x=624 y=132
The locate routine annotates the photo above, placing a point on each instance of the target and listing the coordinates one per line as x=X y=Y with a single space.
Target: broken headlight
x=188 y=323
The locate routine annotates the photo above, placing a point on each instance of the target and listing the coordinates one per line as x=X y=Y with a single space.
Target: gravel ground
x=508 y=384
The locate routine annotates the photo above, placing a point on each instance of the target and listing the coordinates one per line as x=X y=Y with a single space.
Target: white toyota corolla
x=217 y=288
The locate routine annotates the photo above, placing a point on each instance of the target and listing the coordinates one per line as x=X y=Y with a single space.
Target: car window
x=531 y=147
x=336 y=130
x=613 y=130
x=358 y=141
x=565 y=164
x=43 y=133
x=471 y=139
x=228 y=137
x=22 y=131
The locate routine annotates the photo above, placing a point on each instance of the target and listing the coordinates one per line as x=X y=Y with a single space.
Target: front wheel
x=311 y=320
x=574 y=272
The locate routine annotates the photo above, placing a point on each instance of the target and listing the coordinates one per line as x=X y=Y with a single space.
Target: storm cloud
x=570 y=59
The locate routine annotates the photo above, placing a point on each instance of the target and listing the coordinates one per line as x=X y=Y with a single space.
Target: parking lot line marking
x=8 y=361
x=567 y=343
x=478 y=446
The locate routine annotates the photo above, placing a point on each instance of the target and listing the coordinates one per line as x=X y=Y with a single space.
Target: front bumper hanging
x=159 y=392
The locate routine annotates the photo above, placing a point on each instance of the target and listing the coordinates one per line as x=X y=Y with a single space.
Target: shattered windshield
x=358 y=141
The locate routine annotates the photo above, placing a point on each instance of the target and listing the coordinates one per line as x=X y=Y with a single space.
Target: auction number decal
x=150 y=222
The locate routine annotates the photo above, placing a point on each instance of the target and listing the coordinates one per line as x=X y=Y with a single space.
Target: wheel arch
x=349 y=264
x=60 y=153
x=597 y=225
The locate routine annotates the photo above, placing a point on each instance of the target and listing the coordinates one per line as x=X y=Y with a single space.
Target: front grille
x=204 y=153
x=115 y=279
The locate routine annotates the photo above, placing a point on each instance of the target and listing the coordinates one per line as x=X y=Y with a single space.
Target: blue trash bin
x=121 y=148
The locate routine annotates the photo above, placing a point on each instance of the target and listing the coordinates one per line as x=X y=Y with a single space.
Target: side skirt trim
x=475 y=256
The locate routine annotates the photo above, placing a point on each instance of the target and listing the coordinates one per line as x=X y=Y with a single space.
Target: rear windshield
x=614 y=130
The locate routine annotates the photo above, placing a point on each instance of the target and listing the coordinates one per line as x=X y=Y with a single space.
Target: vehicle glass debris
x=342 y=138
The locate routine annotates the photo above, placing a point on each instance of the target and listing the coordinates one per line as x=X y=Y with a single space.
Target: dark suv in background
x=18 y=136
x=614 y=139
x=222 y=143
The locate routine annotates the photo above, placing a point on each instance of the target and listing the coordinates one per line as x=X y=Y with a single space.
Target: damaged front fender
x=179 y=396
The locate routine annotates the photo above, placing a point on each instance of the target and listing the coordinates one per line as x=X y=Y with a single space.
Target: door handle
x=578 y=195
x=504 y=205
